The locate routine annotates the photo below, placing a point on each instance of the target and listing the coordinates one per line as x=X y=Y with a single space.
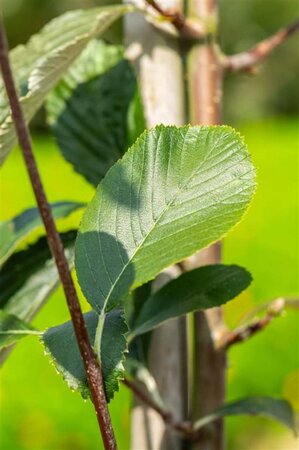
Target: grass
x=40 y=413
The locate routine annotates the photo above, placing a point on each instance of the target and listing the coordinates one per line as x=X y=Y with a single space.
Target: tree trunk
x=209 y=364
x=160 y=69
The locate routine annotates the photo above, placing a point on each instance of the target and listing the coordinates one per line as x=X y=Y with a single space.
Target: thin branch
x=182 y=427
x=187 y=28
x=246 y=61
x=91 y=365
x=243 y=333
x=289 y=303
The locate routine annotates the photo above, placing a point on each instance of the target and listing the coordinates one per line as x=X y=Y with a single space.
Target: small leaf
x=91 y=130
x=136 y=119
x=12 y=329
x=61 y=343
x=174 y=192
x=273 y=408
x=13 y=231
x=138 y=371
x=39 y=65
x=202 y=288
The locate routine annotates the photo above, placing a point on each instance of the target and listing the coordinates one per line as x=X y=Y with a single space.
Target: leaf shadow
x=114 y=275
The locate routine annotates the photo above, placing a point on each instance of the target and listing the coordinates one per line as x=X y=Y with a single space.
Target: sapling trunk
x=160 y=70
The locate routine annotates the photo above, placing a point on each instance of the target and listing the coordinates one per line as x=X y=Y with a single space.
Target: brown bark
x=205 y=96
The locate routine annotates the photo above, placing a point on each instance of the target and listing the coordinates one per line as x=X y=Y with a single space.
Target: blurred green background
x=38 y=412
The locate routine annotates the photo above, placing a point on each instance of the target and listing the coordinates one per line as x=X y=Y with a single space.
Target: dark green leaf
x=202 y=288
x=28 y=278
x=273 y=408
x=174 y=192
x=91 y=130
x=13 y=231
x=13 y=329
x=61 y=343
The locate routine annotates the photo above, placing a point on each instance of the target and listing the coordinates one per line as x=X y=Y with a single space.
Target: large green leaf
x=29 y=277
x=91 y=131
x=14 y=231
x=12 y=329
x=202 y=288
x=174 y=192
x=39 y=65
x=61 y=343
x=273 y=408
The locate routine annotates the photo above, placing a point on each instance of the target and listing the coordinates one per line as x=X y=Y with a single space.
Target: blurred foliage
x=242 y=24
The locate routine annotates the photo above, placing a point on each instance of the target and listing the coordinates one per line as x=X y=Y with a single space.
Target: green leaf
x=14 y=231
x=61 y=343
x=136 y=119
x=28 y=277
x=40 y=64
x=12 y=329
x=174 y=192
x=273 y=408
x=91 y=131
x=202 y=288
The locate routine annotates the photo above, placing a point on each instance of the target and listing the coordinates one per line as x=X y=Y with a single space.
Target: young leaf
x=13 y=231
x=29 y=277
x=273 y=408
x=174 y=192
x=39 y=65
x=202 y=288
x=138 y=371
x=91 y=131
x=12 y=329
x=61 y=343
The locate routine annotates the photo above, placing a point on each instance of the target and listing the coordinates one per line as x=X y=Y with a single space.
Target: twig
x=91 y=365
x=182 y=427
x=243 y=333
x=187 y=28
x=289 y=303
x=246 y=61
